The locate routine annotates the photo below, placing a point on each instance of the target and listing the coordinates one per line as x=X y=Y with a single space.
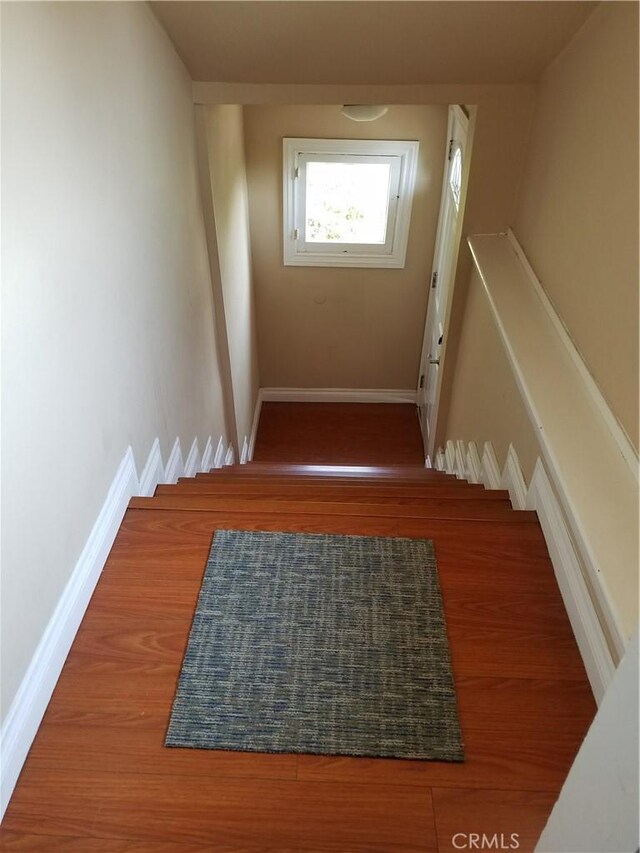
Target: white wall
x=598 y=806
x=107 y=332
x=226 y=171
x=486 y=404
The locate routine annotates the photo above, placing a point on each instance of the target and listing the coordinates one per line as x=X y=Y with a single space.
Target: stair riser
x=373 y=474
x=469 y=510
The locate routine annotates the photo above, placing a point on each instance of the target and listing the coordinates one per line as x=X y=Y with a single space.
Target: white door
x=444 y=267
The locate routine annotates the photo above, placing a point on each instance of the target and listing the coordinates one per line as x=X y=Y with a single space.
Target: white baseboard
x=175 y=465
x=207 y=457
x=625 y=446
x=218 y=458
x=461 y=460
x=338 y=395
x=244 y=455
x=255 y=424
x=192 y=465
x=230 y=456
x=153 y=471
x=588 y=631
x=513 y=481
x=590 y=627
x=441 y=460
x=490 y=473
x=450 y=457
x=30 y=702
x=474 y=465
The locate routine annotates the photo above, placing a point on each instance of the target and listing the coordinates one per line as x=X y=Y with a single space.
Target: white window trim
x=297 y=254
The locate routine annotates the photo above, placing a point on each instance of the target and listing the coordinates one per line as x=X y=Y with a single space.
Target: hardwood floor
x=339 y=434
x=98 y=777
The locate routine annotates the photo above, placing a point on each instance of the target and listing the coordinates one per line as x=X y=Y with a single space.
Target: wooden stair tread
x=495 y=529
x=443 y=508
x=306 y=491
x=253 y=469
x=344 y=470
x=329 y=481
x=98 y=777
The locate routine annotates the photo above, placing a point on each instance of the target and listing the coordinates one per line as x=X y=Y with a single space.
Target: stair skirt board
x=153 y=472
x=218 y=457
x=513 y=480
x=450 y=458
x=175 y=464
x=598 y=657
x=192 y=465
x=461 y=460
x=206 y=463
x=585 y=621
x=473 y=463
x=30 y=702
x=490 y=472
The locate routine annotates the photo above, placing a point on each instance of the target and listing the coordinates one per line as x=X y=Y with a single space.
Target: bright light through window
x=347 y=202
x=455 y=176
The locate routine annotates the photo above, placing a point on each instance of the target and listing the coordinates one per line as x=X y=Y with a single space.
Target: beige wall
x=485 y=401
x=500 y=132
x=576 y=216
x=107 y=334
x=337 y=327
x=498 y=148
x=577 y=213
x=225 y=143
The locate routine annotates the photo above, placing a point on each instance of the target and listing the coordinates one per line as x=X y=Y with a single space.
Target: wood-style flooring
x=339 y=434
x=98 y=777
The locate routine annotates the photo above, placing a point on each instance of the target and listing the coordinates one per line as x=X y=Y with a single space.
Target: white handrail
x=592 y=464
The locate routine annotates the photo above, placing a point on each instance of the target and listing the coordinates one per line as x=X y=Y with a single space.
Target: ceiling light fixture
x=363 y=112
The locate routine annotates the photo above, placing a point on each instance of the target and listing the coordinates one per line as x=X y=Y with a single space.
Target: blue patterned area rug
x=320 y=644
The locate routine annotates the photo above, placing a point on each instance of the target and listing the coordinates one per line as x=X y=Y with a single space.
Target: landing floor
x=339 y=434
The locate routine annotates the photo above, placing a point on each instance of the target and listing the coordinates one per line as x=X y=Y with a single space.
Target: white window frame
x=403 y=159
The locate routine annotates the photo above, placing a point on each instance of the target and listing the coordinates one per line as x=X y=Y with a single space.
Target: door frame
x=468 y=113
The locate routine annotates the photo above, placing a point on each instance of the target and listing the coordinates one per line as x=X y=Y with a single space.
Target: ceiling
x=370 y=41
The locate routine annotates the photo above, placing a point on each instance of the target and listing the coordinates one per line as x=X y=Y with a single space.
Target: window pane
x=455 y=177
x=347 y=202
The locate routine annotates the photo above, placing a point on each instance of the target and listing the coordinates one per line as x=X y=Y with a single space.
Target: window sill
x=357 y=261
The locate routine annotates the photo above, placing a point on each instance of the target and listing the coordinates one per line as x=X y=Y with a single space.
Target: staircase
x=98 y=772
x=335 y=495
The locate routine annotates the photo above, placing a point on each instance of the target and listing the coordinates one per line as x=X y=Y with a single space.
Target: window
x=347 y=202
x=455 y=176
